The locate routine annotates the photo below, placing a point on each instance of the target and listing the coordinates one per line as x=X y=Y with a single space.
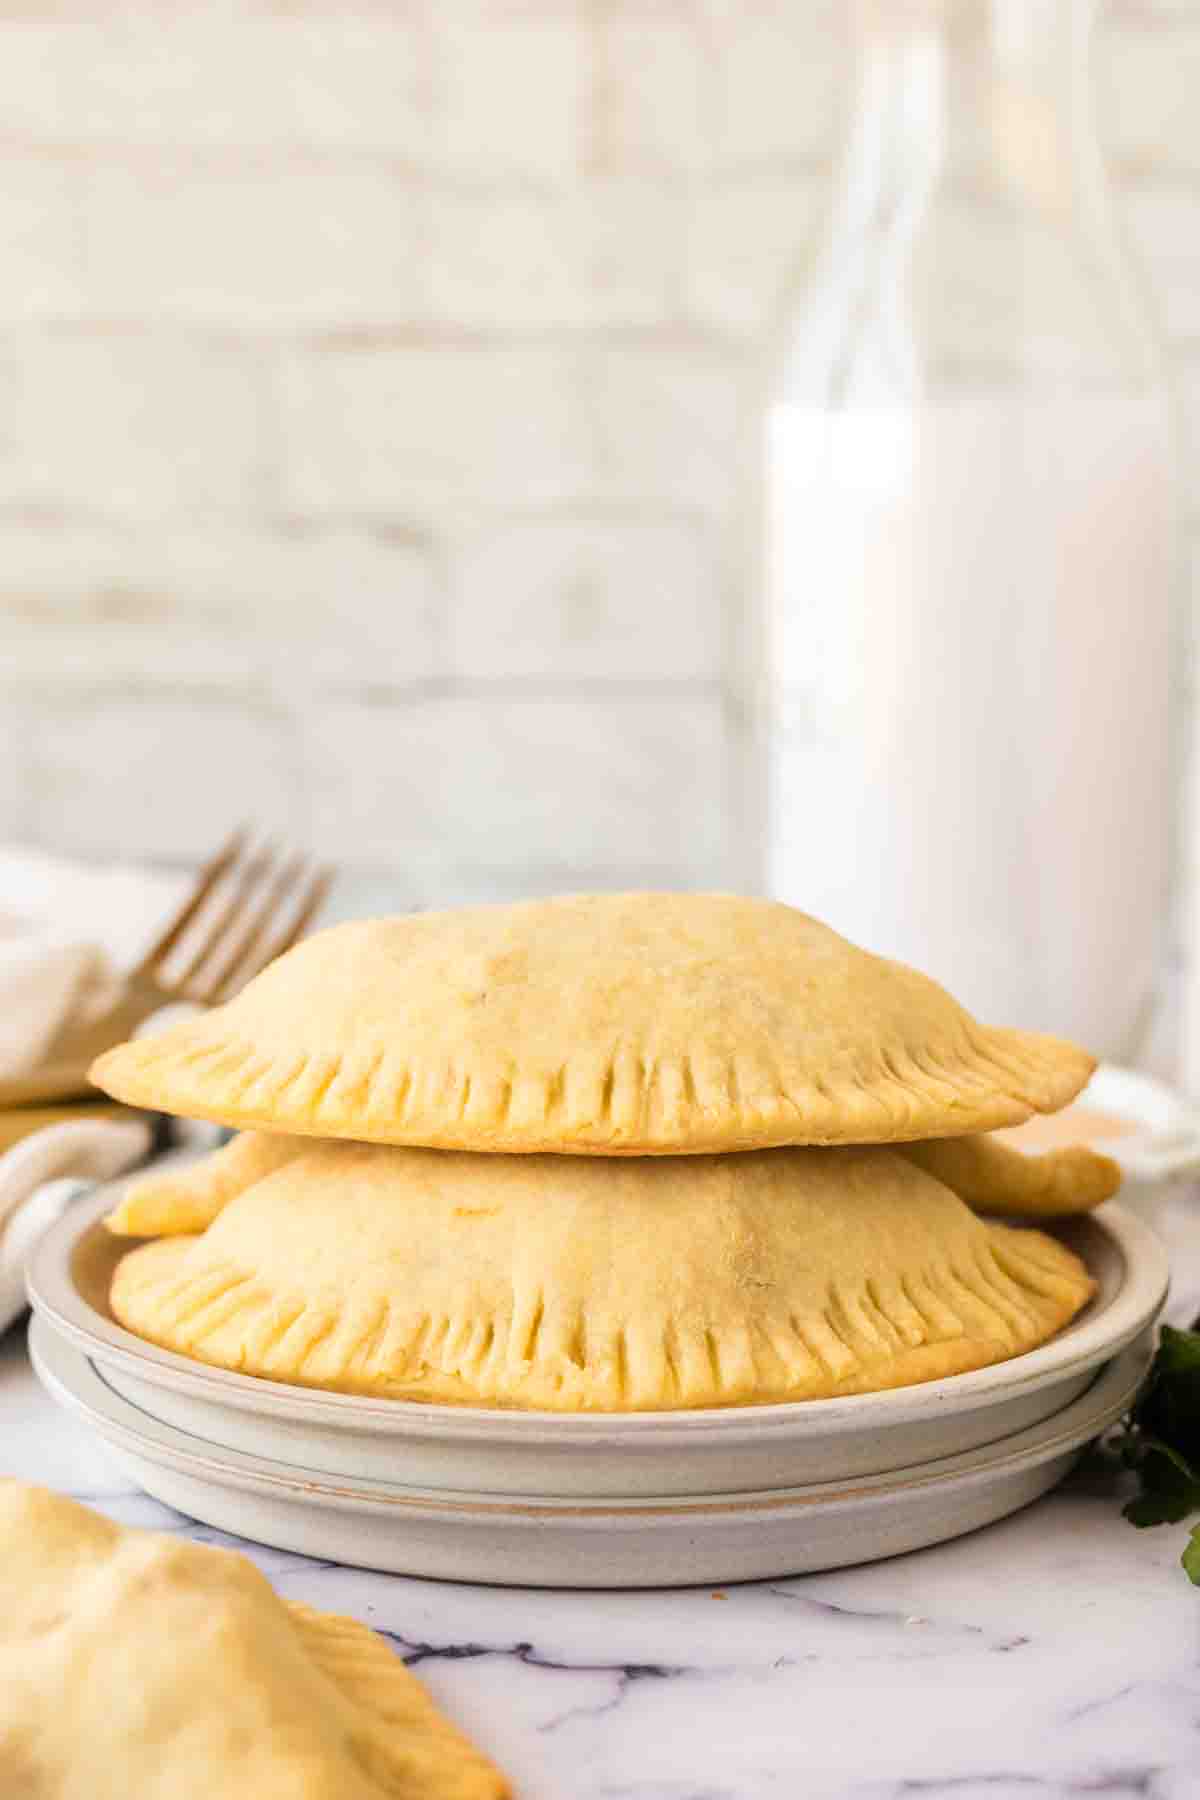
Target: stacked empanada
x=608 y=1152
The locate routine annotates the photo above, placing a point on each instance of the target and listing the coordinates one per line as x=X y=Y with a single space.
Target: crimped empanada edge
x=410 y=1738
x=622 y=1105
x=1019 y=1289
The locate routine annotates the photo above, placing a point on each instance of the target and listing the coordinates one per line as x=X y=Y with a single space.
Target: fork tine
x=264 y=946
x=221 y=916
x=206 y=881
x=238 y=955
x=310 y=906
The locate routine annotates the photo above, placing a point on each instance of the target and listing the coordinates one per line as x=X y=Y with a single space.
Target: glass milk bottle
x=969 y=515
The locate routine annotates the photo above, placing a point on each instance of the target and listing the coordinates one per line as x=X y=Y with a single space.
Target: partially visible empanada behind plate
x=576 y=1284
x=134 y=1664
x=187 y=1196
x=996 y=1179
x=602 y=1024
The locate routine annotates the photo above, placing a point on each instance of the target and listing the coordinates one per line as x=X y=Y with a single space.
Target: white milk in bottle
x=968 y=525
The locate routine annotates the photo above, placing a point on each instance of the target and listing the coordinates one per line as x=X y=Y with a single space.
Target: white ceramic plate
x=656 y=1541
x=718 y=1450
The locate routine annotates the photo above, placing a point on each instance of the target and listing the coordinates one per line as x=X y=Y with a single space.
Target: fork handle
x=80 y=1043
x=62 y=1075
x=48 y=1082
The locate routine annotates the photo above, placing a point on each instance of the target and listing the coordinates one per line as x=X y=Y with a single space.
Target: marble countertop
x=1053 y=1654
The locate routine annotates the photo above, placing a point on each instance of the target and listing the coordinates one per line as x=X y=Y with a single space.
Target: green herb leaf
x=1191 y=1557
x=1168 y=1407
x=1161 y=1440
x=1178 y=1351
x=1150 y=1447
x=1160 y=1509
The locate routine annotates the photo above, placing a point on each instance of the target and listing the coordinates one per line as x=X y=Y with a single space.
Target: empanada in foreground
x=601 y=1024
x=582 y=1284
x=137 y=1666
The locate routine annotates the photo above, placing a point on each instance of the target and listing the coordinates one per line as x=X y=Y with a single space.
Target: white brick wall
x=174 y=765
x=255 y=244
x=474 y=793
x=129 y=422
x=41 y=263
x=384 y=429
x=281 y=612
x=607 y=598
x=372 y=381
x=509 y=86
x=93 y=75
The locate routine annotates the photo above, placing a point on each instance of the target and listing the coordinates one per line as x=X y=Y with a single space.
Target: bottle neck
x=973 y=239
x=993 y=96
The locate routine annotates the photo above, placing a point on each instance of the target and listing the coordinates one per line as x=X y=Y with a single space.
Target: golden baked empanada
x=603 y=1024
x=188 y=1196
x=994 y=1178
x=580 y=1284
x=136 y=1665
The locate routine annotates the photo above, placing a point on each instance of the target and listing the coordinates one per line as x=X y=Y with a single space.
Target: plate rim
x=117 y=1420
x=1138 y=1300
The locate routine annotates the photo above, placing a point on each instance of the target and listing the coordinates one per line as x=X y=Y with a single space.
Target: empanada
x=993 y=1178
x=188 y=1196
x=602 y=1024
x=138 y=1666
x=574 y=1283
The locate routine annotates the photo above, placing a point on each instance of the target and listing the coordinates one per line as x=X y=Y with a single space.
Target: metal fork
x=249 y=904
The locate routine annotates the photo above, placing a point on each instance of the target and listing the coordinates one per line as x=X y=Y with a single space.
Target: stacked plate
x=593 y=1500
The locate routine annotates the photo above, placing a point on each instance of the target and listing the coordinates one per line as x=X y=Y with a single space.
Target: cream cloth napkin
x=67 y=932
x=40 y=1176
